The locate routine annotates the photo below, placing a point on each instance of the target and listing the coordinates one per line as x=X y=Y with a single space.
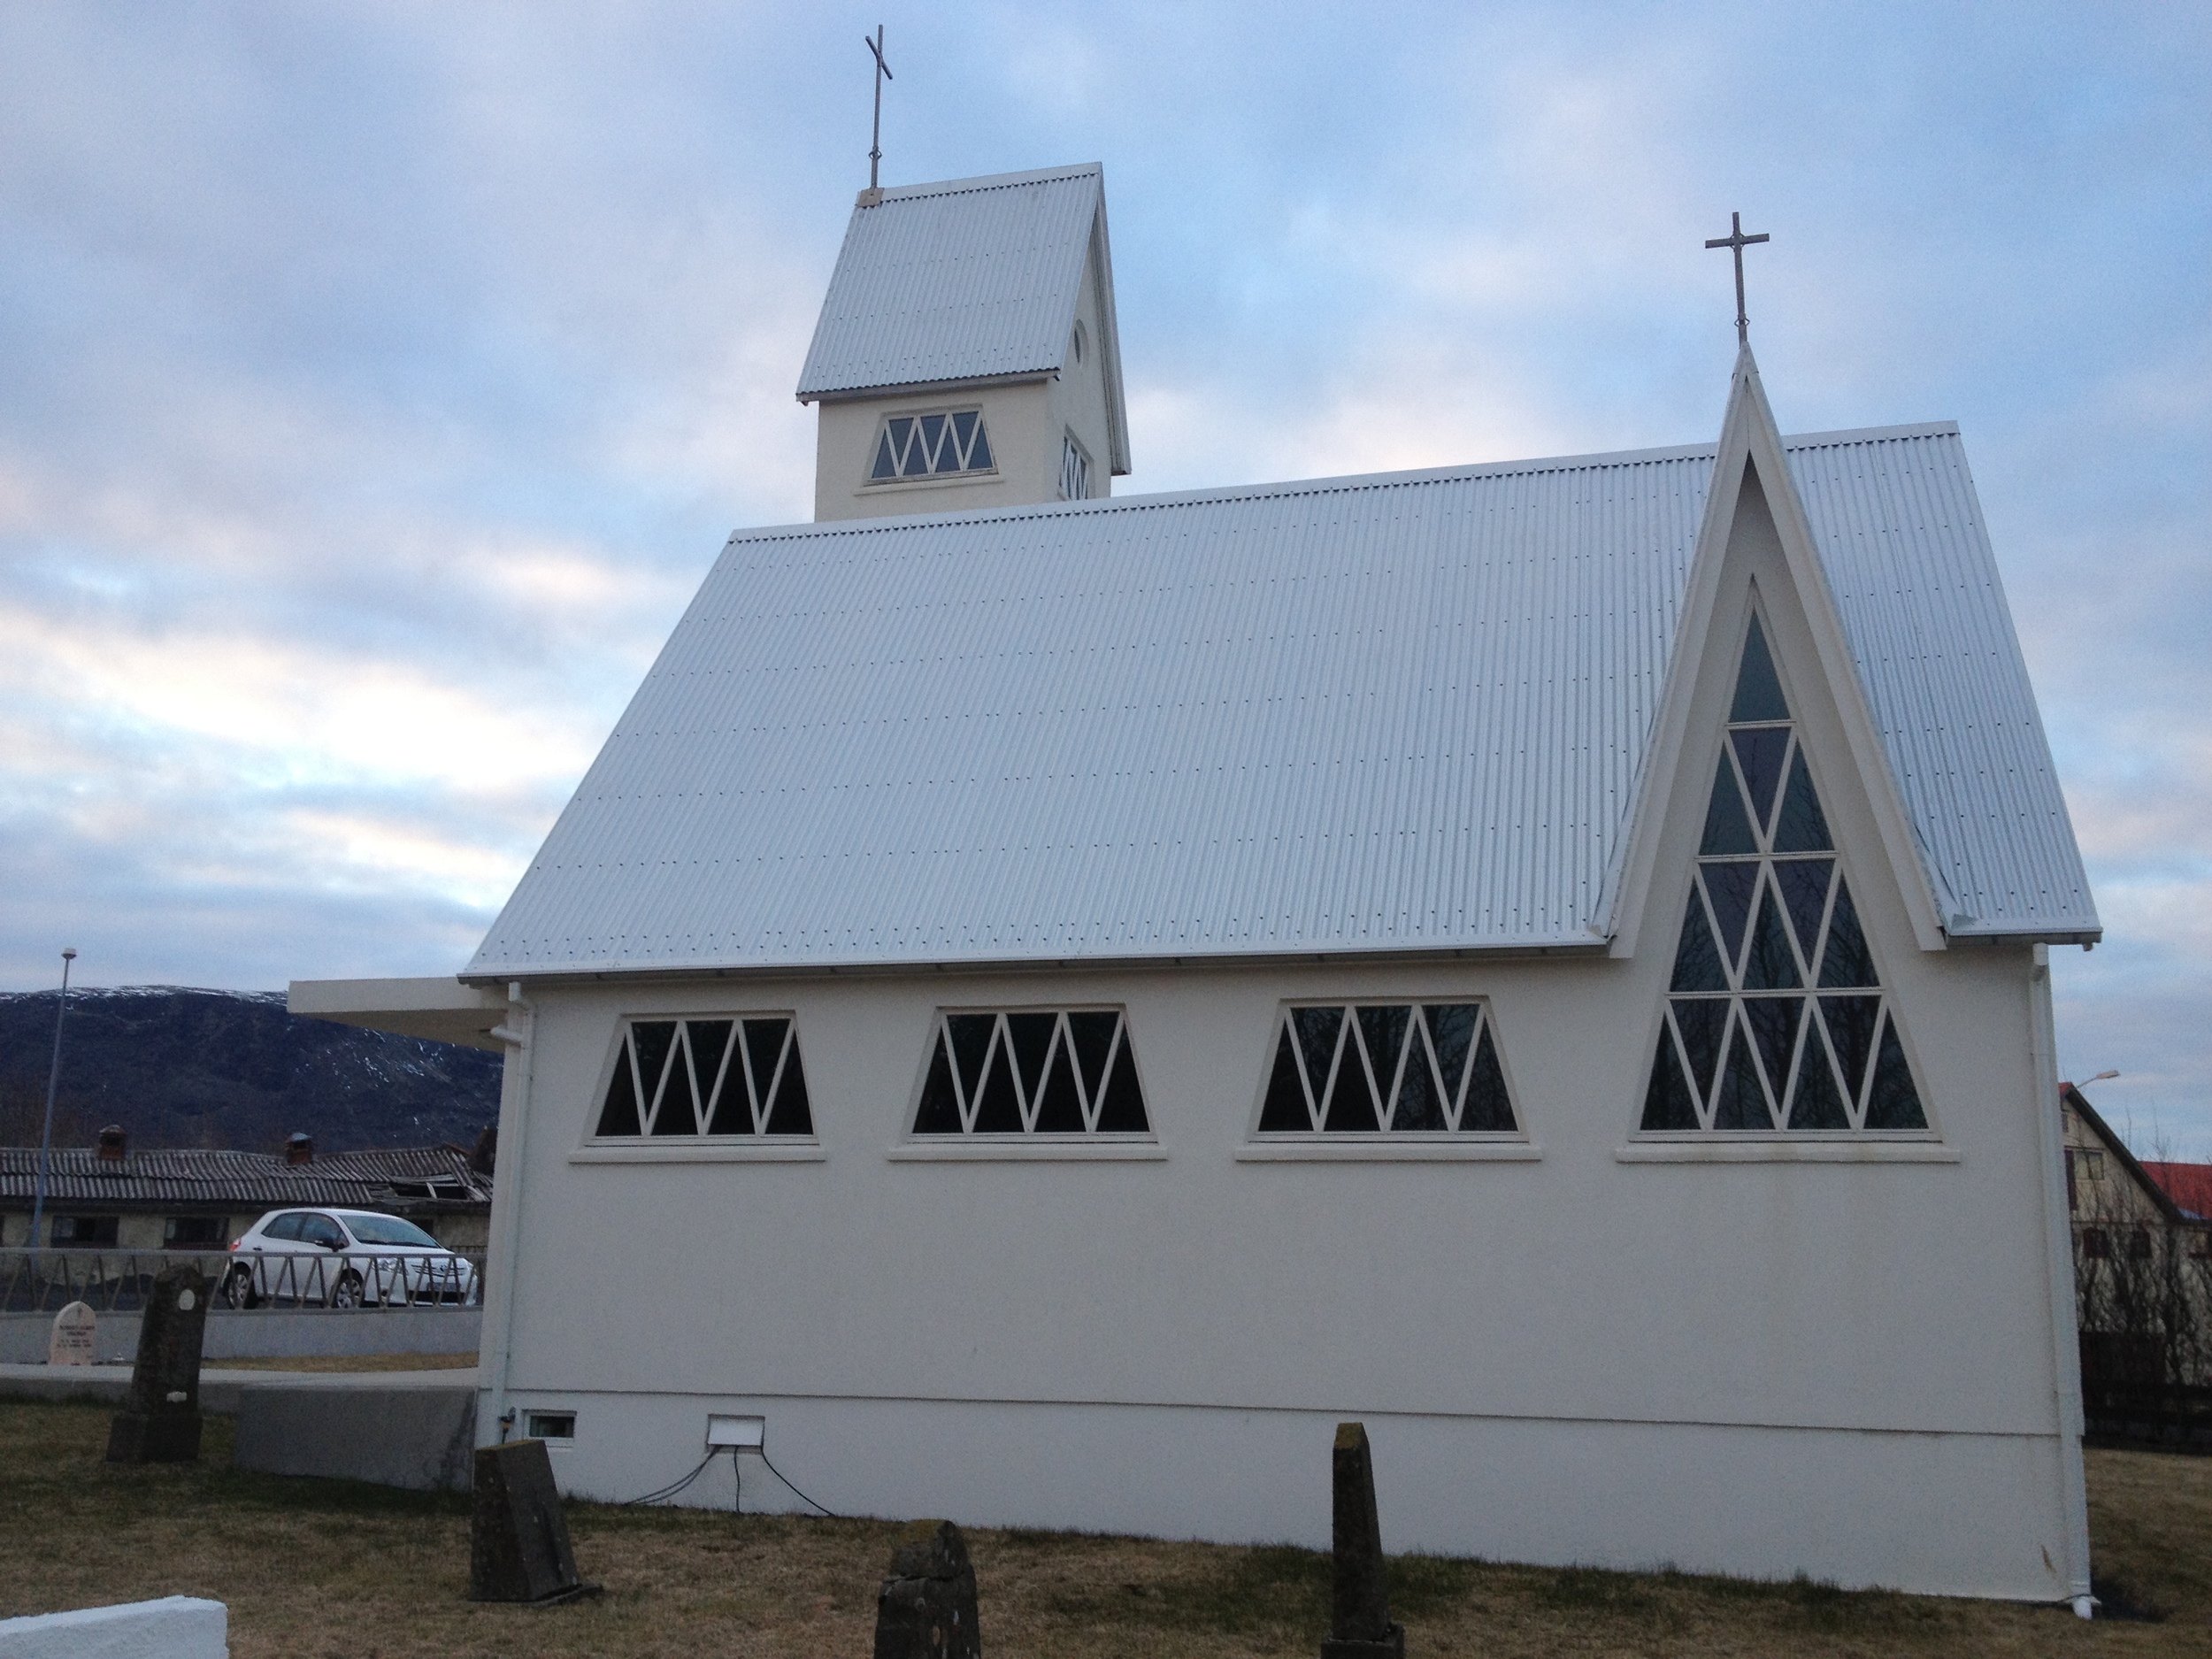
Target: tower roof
x=965 y=280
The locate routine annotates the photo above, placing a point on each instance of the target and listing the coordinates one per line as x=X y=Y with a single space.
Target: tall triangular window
x=1775 y=1019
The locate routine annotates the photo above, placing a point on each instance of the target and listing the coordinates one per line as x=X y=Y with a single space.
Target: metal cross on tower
x=1737 y=242
x=883 y=73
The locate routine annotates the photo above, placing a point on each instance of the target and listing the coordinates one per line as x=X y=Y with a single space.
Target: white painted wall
x=1837 y=1360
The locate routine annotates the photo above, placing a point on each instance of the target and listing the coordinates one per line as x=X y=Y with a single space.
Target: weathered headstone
x=161 y=1425
x=927 y=1606
x=75 y=1328
x=519 y=1548
x=1359 y=1624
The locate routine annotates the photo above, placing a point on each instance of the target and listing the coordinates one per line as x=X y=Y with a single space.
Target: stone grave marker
x=927 y=1606
x=161 y=1423
x=75 y=1329
x=519 y=1548
x=1359 y=1621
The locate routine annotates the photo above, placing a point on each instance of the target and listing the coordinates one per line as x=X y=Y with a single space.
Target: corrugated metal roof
x=1403 y=712
x=961 y=281
x=193 y=1176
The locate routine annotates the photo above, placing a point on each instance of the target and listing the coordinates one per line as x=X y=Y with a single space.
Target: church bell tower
x=967 y=356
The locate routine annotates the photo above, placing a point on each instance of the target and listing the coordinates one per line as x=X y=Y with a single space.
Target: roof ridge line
x=991 y=182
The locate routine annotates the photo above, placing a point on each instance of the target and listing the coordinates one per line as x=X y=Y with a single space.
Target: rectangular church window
x=1753 y=1036
x=940 y=443
x=708 y=1078
x=1387 y=1068
x=1032 y=1071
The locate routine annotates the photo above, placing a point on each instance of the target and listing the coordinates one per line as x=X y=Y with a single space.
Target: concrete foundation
x=269 y=1334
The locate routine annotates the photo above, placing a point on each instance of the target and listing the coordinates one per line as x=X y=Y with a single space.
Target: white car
x=342 y=1258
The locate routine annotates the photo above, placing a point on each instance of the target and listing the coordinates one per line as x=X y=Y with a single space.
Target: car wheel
x=347 y=1292
x=238 y=1291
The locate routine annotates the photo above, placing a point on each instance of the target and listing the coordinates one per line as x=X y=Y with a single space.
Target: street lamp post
x=53 y=1080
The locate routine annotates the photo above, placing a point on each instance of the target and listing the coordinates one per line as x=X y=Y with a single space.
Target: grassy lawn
x=312 y=1568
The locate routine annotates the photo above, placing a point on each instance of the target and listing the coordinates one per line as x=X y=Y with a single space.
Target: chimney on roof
x=113 y=1144
x=300 y=1149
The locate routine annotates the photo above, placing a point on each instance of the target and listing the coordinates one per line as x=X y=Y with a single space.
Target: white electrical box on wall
x=745 y=1433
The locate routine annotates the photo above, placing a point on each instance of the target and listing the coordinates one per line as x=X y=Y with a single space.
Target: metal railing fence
x=118 y=1281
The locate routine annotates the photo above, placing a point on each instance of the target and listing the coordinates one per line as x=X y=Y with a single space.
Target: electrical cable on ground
x=794 y=1491
x=675 y=1486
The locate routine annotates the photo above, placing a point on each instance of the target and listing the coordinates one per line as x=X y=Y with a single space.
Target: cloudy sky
x=378 y=380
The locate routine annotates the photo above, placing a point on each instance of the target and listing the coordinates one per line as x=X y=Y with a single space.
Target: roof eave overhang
x=1594 y=948
x=924 y=388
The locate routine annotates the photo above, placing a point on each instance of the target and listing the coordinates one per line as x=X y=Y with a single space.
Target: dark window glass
x=963 y=435
x=970 y=1046
x=789 y=1113
x=998 y=1110
x=1036 y=1072
x=1060 y=1107
x=653 y=1042
x=763 y=1051
x=1803 y=826
x=886 y=467
x=1760 y=752
x=1774 y=1021
x=1284 y=1107
x=1122 y=1112
x=1770 y=966
x=980 y=452
x=1727 y=829
x=1740 y=1102
x=1420 y=1108
x=709 y=1041
x=1777 y=918
x=902 y=433
x=1804 y=883
x=1893 y=1102
x=1383 y=1030
x=1758 y=688
x=1352 y=1107
x=1846 y=960
x=1667 y=1104
x=185 y=1232
x=620 y=1115
x=1850 y=1021
x=1697 y=963
x=284 y=1227
x=84 y=1229
x=1032 y=1040
x=322 y=1230
x=679 y=1113
x=1702 y=1025
x=1731 y=887
x=932 y=438
x=1444 y=1067
x=1816 y=1104
x=1452 y=1028
x=940 y=1112
x=1489 y=1106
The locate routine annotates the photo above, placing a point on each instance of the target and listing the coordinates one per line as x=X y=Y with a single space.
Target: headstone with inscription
x=925 y=1609
x=519 y=1548
x=161 y=1423
x=1359 y=1621
x=75 y=1327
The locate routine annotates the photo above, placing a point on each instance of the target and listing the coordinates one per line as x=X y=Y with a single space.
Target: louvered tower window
x=1776 y=1019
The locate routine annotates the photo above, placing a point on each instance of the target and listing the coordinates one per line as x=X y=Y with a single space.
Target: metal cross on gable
x=1737 y=242
x=883 y=73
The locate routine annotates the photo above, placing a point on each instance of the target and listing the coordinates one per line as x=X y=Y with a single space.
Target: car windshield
x=389 y=1230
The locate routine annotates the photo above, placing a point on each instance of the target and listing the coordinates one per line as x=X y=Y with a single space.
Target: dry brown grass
x=353 y=1362
x=314 y=1568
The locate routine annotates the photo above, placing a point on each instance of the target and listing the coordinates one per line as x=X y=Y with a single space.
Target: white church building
x=1046 y=1002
